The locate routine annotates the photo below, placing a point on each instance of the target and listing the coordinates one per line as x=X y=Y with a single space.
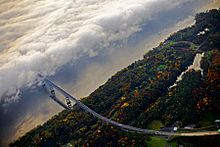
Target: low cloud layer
x=42 y=36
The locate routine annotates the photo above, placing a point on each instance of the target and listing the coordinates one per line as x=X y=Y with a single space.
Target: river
x=84 y=76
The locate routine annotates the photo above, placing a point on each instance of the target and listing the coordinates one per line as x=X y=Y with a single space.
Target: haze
x=77 y=43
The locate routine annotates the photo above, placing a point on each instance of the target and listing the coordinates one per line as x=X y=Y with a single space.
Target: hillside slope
x=139 y=95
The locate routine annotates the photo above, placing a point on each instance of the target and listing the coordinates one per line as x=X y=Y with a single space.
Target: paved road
x=122 y=126
x=208 y=133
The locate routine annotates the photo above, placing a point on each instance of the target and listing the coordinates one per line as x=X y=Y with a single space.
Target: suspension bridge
x=51 y=87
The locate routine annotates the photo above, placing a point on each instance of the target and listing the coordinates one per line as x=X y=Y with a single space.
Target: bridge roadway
x=122 y=126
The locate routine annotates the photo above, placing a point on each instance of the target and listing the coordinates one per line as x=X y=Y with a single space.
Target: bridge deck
x=123 y=126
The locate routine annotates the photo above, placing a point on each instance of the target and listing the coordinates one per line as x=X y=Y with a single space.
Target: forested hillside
x=139 y=95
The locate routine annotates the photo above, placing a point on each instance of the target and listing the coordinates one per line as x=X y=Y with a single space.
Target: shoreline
x=102 y=77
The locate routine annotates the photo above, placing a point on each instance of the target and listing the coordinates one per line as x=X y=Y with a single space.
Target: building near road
x=217 y=122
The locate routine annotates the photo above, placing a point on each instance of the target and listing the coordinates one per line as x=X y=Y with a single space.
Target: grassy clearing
x=160 y=142
x=155 y=125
